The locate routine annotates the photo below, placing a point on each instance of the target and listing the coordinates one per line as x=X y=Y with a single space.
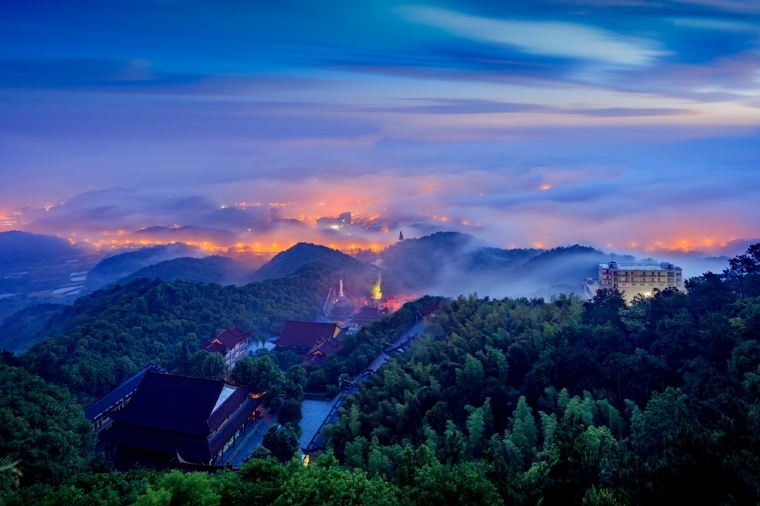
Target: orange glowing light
x=544 y=187
x=376 y=291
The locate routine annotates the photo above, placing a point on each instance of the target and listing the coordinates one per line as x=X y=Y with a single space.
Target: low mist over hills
x=20 y=250
x=38 y=268
x=119 y=266
x=445 y=263
x=451 y=263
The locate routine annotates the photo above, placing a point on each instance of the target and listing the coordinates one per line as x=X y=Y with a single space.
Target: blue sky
x=631 y=122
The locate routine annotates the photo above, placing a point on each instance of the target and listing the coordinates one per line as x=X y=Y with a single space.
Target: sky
x=628 y=124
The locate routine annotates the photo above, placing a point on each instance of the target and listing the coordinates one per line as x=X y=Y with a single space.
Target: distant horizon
x=630 y=125
x=275 y=234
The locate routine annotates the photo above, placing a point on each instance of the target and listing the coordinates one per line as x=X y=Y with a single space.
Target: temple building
x=301 y=337
x=231 y=343
x=318 y=353
x=175 y=420
x=368 y=314
x=338 y=308
x=634 y=279
x=99 y=413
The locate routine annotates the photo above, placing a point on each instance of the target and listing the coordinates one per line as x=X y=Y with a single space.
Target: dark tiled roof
x=224 y=411
x=215 y=347
x=191 y=448
x=172 y=403
x=174 y=415
x=304 y=335
x=367 y=315
x=102 y=405
x=232 y=414
x=319 y=352
x=226 y=340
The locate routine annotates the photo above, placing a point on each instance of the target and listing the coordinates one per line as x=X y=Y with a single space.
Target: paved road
x=415 y=331
x=252 y=440
x=407 y=336
x=315 y=412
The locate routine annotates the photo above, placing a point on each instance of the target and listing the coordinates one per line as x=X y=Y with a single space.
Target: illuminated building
x=368 y=314
x=231 y=343
x=338 y=308
x=635 y=278
x=376 y=291
x=343 y=220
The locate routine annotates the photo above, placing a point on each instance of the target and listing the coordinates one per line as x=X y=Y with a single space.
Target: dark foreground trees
x=571 y=402
x=43 y=434
x=501 y=402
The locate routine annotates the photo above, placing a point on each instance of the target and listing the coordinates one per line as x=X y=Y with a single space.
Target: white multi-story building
x=231 y=343
x=635 y=278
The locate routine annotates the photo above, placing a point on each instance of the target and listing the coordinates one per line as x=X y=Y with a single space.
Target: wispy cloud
x=407 y=104
x=742 y=6
x=550 y=38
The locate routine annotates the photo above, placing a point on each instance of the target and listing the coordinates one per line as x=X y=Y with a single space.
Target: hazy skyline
x=634 y=124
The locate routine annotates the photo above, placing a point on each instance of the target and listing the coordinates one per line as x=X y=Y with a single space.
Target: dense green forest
x=212 y=269
x=658 y=402
x=502 y=402
x=105 y=337
x=361 y=348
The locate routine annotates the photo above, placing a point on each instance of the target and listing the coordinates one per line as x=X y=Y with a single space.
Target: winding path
x=317 y=413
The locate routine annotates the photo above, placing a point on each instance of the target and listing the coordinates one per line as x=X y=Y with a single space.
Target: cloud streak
x=575 y=119
x=549 y=38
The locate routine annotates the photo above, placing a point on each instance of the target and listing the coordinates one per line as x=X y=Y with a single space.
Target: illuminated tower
x=376 y=291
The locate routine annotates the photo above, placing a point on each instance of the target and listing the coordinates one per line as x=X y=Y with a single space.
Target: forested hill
x=452 y=263
x=568 y=402
x=213 y=269
x=511 y=401
x=115 y=332
x=302 y=254
x=114 y=268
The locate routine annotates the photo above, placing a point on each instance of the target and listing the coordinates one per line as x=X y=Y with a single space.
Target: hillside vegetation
x=115 y=332
x=451 y=263
x=213 y=269
x=294 y=258
x=572 y=402
x=503 y=401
